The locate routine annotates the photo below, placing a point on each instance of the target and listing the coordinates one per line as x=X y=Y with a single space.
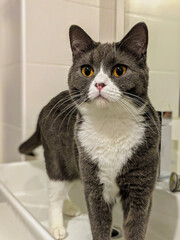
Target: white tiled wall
x=10 y=80
x=163 y=20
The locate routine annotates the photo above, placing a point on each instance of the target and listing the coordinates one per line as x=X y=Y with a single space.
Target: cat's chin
x=101 y=102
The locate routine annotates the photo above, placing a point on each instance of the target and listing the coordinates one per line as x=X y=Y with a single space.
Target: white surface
x=11 y=225
x=28 y=182
x=38 y=231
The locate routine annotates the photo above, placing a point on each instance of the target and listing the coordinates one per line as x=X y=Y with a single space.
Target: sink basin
x=27 y=182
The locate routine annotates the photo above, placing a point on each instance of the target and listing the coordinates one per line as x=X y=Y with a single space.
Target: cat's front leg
x=136 y=216
x=57 y=191
x=100 y=213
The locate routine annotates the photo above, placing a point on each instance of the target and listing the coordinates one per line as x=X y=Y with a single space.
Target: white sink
x=27 y=181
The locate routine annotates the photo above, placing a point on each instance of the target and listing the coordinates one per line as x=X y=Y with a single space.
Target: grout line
x=23 y=68
x=88 y=5
x=165 y=72
x=47 y=64
x=11 y=126
x=81 y=3
x=10 y=65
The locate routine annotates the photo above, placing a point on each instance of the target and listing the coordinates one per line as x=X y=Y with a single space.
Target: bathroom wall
x=10 y=79
x=36 y=57
x=163 y=20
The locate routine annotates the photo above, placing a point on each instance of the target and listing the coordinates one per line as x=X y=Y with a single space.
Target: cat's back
x=57 y=118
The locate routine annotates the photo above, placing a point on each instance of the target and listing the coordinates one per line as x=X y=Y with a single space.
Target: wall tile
x=164 y=38
x=11 y=95
x=10 y=34
x=11 y=140
x=107 y=25
x=43 y=83
x=108 y=4
x=164 y=91
x=163 y=8
x=47 y=34
x=3 y=3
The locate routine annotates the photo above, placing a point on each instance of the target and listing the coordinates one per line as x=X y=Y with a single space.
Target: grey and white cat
x=104 y=131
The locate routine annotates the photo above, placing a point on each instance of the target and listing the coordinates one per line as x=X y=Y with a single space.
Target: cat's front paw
x=58 y=232
x=69 y=209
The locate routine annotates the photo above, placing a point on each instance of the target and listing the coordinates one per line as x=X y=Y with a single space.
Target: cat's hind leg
x=58 y=192
x=70 y=209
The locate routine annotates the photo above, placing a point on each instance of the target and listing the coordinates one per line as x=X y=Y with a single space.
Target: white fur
x=109 y=134
x=59 y=203
x=58 y=191
x=110 y=92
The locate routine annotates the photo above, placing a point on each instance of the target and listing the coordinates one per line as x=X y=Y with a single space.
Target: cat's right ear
x=79 y=40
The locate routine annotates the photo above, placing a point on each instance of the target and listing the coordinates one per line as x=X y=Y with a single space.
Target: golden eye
x=119 y=70
x=87 y=71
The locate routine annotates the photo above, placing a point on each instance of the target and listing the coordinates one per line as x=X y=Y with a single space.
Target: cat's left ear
x=136 y=40
x=80 y=41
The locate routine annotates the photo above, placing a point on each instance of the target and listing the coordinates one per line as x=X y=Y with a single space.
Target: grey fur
x=60 y=120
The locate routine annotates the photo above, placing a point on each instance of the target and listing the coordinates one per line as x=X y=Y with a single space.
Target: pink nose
x=100 y=86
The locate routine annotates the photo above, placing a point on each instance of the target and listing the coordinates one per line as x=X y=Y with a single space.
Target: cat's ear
x=79 y=40
x=136 y=40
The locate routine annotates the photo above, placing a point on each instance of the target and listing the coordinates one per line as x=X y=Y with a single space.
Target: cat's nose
x=100 y=86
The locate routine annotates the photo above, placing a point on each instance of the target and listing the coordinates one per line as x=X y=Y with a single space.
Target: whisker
x=129 y=109
x=62 y=101
x=64 y=110
x=137 y=121
x=140 y=103
x=70 y=99
x=70 y=111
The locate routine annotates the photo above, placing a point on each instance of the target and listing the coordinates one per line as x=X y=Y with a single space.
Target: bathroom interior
x=35 y=57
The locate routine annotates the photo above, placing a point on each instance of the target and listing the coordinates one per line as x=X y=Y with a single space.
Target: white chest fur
x=109 y=141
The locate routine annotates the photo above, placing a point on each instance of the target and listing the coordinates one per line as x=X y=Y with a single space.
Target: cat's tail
x=33 y=142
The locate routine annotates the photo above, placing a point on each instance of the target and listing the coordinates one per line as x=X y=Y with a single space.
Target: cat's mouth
x=101 y=97
x=101 y=101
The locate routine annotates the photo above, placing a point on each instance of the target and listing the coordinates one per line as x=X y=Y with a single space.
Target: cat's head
x=103 y=74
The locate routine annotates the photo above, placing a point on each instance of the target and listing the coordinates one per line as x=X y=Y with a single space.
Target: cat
x=104 y=131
